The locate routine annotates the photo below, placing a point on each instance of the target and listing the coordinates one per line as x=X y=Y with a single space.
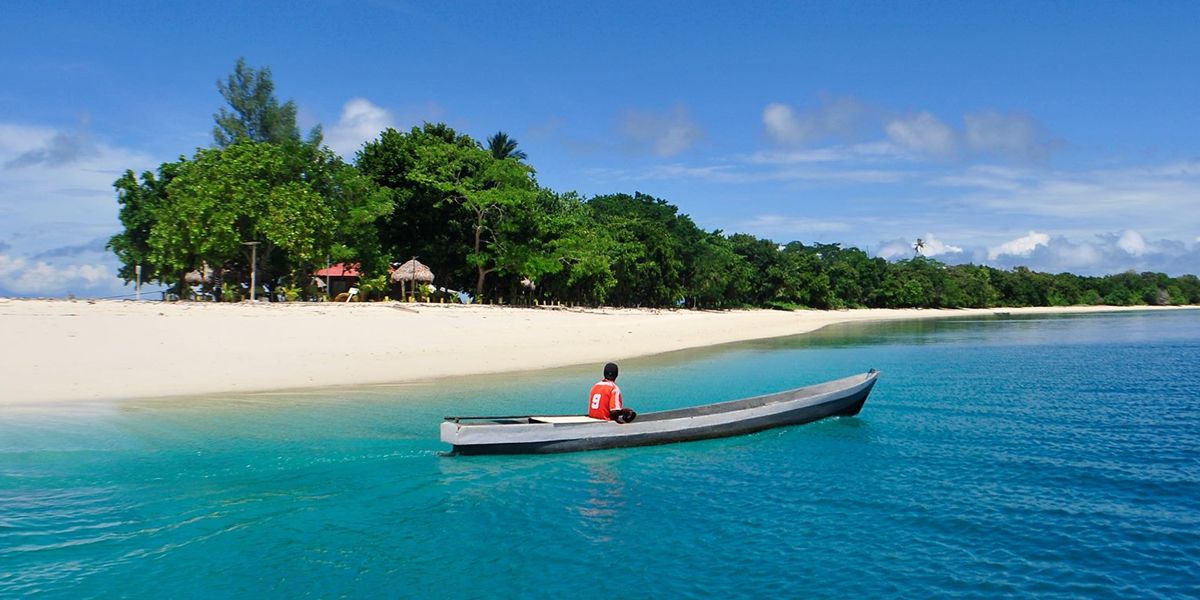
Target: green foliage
x=457 y=206
x=373 y=287
x=255 y=114
x=655 y=246
x=477 y=217
x=721 y=278
x=291 y=293
x=501 y=146
x=140 y=201
x=243 y=193
x=301 y=203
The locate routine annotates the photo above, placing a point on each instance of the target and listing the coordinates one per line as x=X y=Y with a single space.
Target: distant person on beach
x=606 y=402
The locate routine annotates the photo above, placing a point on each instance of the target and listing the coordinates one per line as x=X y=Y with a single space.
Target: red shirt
x=606 y=396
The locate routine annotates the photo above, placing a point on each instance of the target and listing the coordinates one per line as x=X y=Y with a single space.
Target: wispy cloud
x=740 y=174
x=95 y=246
x=61 y=149
x=791 y=228
x=57 y=190
x=1161 y=198
x=924 y=134
x=51 y=197
x=983 y=135
x=873 y=152
x=834 y=118
x=662 y=134
x=1011 y=136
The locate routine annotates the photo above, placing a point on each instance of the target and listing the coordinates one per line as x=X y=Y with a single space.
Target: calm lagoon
x=1047 y=456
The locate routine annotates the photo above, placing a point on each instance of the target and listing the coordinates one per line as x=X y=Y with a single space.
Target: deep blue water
x=1048 y=457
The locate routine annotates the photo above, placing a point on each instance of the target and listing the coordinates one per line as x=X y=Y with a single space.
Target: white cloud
x=1159 y=199
x=931 y=246
x=847 y=121
x=783 y=125
x=663 y=134
x=925 y=134
x=1022 y=246
x=840 y=118
x=57 y=206
x=779 y=225
x=739 y=174
x=10 y=266
x=1093 y=255
x=21 y=276
x=1132 y=242
x=361 y=121
x=1105 y=254
x=1013 y=136
x=57 y=186
x=1066 y=255
x=873 y=152
x=895 y=249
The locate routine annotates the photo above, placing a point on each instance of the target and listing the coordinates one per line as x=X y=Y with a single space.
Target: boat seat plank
x=565 y=420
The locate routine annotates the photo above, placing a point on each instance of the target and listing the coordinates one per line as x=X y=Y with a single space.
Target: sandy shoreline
x=64 y=350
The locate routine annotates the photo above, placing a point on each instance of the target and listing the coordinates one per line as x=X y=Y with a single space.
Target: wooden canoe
x=538 y=434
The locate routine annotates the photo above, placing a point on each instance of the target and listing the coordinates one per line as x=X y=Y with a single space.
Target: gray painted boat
x=534 y=434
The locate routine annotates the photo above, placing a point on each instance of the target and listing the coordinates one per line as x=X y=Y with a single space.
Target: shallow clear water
x=1049 y=457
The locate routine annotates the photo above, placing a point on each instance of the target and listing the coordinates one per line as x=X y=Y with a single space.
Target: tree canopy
x=254 y=112
x=476 y=215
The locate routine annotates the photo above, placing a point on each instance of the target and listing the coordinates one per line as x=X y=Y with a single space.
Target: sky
x=1057 y=135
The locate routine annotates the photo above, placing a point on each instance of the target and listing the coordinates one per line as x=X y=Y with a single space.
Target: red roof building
x=339 y=270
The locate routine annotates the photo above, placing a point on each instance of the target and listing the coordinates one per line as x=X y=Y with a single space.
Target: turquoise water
x=1048 y=457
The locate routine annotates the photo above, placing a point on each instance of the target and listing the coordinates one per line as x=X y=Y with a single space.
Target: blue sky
x=1062 y=136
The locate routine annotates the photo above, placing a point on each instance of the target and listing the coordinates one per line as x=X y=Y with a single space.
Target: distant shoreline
x=80 y=350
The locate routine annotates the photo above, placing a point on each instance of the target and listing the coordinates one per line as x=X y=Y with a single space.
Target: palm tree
x=919 y=246
x=503 y=147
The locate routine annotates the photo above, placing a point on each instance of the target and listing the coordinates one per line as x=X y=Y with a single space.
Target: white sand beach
x=72 y=350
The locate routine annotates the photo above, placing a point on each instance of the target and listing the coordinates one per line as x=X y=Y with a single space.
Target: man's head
x=610 y=371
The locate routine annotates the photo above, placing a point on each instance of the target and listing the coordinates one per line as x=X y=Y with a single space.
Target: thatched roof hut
x=200 y=276
x=412 y=271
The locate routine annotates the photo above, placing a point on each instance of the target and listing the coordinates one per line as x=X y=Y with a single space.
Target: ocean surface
x=1050 y=457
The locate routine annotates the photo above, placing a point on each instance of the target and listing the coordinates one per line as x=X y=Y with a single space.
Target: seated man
x=606 y=399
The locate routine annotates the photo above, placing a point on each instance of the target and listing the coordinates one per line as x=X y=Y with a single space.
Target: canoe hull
x=840 y=398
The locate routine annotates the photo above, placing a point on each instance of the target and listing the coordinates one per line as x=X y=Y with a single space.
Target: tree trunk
x=478 y=241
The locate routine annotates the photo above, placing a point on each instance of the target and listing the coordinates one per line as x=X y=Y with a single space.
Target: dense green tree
x=455 y=202
x=762 y=256
x=567 y=254
x=802 y=279
x=140 y=201
x=300 y=203
x=721 y=277
x=655 y=244
x=254 y=112
x=424 y=222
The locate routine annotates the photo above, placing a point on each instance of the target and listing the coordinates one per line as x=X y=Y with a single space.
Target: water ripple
x=1048 y=458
